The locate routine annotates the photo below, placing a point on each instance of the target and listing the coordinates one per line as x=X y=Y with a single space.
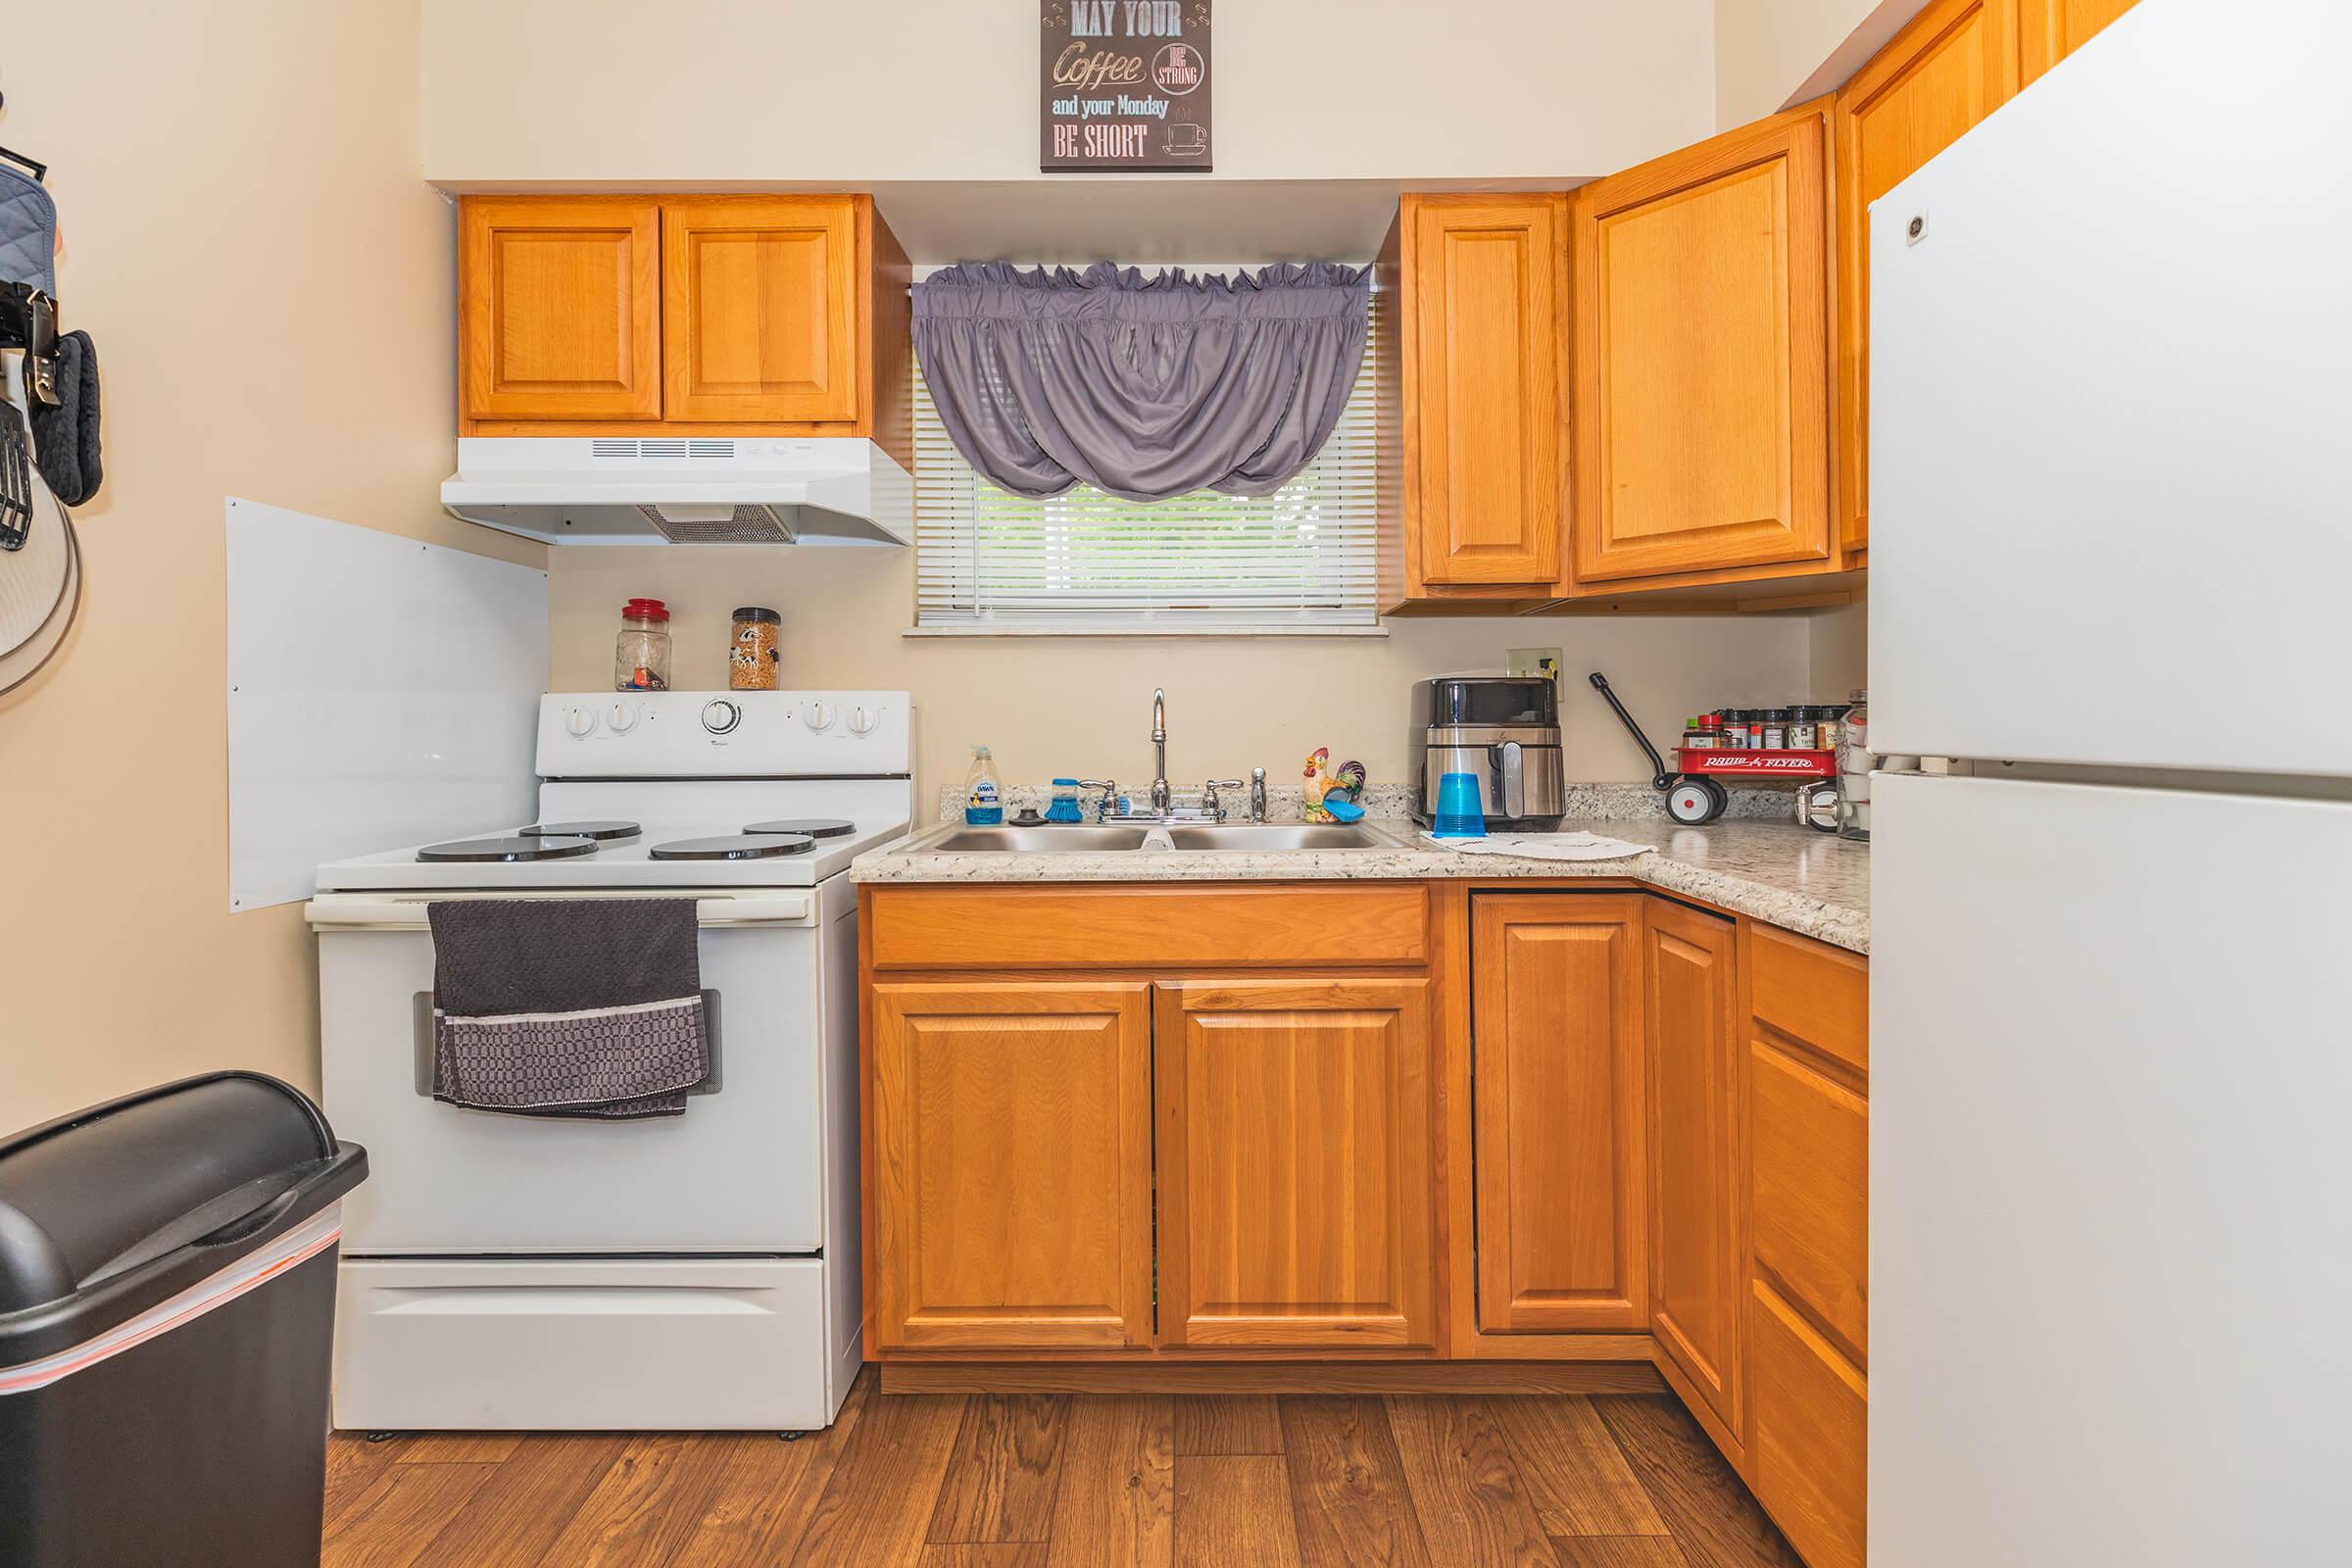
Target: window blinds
x=1301 y=559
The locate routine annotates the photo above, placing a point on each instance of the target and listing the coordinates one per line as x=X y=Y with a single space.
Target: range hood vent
x=683 y=490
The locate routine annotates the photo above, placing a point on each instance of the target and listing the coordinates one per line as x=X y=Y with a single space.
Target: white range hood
x=685 y=490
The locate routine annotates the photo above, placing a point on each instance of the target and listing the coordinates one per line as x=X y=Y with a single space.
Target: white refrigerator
x=2111 y=508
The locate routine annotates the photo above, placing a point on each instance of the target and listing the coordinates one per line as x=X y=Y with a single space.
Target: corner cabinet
x=705 y=315
x=1692 y=1011
x=1294 y=1164
x=1701 y=432
x=2056 y=28
x=1478 y=286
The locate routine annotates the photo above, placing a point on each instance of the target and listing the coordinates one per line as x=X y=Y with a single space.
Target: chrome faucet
x=1161 y=795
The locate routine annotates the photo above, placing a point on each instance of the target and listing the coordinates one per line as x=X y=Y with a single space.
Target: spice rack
x=1693 y=785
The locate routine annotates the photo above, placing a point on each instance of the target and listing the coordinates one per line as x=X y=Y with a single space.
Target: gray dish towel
x=583 y=1007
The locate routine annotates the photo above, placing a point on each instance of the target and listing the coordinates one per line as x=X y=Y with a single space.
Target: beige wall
x=1837 y=651
x=270 y=287
x=1056 y=706
x=1770 y=54
x=818 y=90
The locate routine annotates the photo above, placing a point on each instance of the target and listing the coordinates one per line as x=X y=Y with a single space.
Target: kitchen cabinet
x=1011 y=1176
x=1807 y=1310
x=1295 y=1152
x=1691 y=1017
x=1479 y=288
x=1557 y=1064
x=758 y=302
x=560 y=307
x=1952 y=66
x=2056 y=29
x=710 y=315
x=1700 y=395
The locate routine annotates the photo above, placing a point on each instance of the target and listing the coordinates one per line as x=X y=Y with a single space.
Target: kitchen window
x=1299 y=561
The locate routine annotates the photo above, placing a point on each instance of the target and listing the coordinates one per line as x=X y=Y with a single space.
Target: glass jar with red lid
x=641 y=653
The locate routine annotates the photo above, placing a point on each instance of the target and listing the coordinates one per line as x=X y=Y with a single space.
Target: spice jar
x=1775 y=729
x=641 y=653
x=1804 y=728
x=752 y=651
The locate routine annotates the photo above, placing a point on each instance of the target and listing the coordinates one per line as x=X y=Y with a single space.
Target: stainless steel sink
x=1275 y=836
x=1067 y=837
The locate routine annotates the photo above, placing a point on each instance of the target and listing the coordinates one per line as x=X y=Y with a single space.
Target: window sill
x=1377 y=629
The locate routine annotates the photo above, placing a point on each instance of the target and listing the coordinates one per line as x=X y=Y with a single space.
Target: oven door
x=741 y=1171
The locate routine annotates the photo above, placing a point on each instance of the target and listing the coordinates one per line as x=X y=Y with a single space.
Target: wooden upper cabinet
x=1012 y=1178
x=1954 y=64
x=561 y=308
x=1695 y=1054
x=760 y=306
x=1295 y=1164
x=1557 y=1086
x=1483 y=285
x=1701 y=401
x=2052 y=29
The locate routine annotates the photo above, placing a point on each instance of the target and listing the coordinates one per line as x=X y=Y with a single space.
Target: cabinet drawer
x=1130 y=926
x=1811 y=991
x=1809 y=1138
x=1807 y=1436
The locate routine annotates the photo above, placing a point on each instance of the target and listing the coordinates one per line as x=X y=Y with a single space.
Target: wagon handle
x=1662 y=776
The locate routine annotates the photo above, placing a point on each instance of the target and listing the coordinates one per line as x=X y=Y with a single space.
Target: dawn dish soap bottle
x=983 y=796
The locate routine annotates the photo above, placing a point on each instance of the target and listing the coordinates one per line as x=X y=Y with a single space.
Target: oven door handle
x=343 y=913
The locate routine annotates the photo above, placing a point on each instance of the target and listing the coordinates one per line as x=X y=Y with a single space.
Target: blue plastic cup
x=1460 y=813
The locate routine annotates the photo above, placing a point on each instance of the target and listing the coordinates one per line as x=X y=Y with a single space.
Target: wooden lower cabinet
x=1691 y=1014
x=1808 y=1295
x=1294 y=1150
x=1659 y=1121
x=1556 y=1064
x=1806 y=1441
x=1012 y=1165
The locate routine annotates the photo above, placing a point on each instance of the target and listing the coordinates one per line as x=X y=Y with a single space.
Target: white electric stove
x=691 y=1273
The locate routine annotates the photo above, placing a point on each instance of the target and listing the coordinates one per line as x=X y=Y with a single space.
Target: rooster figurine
x=1318 y=780
x=1332 y=793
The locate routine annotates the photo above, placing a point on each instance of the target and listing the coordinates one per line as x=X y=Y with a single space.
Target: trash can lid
x=136 y=1198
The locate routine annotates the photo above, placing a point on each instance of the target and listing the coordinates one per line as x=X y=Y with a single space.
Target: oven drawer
x=583 y=1345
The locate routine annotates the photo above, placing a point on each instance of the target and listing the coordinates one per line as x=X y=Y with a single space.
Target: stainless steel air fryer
x=1503 y=728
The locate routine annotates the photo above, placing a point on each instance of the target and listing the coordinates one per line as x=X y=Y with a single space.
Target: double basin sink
x=1078 y=839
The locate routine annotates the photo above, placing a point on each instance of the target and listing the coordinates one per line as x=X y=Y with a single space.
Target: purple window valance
x=1143 y=387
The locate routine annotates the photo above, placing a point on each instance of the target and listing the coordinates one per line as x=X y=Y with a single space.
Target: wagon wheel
x=1693 y=801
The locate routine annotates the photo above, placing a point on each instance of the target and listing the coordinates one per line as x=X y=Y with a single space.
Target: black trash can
x=167 y=1320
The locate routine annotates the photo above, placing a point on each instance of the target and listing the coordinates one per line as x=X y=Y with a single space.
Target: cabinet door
x=2056 y=29
x=1695 y=1054
x=1557 y=1086
x=1012 y=1180
x=1702 y=389
x=758 y=294
x=1294 y=1203
x=1483 y=285
x=1951 y=67
x=560 y=307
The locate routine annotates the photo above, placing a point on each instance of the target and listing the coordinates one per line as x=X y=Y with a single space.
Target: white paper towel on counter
x=1579 y=845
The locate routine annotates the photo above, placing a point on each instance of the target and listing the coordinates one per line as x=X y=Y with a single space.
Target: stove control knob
x=819 y=717
x=623 y=719
x=720 y=717
x=862 y=719
x=579 y=721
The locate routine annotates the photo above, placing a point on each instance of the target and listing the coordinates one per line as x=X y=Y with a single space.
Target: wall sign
x=1124 y=84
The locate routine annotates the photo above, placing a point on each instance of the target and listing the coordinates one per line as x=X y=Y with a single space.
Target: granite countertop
x=1794 y=877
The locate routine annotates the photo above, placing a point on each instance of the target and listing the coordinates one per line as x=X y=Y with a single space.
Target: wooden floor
x=955 y=1480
